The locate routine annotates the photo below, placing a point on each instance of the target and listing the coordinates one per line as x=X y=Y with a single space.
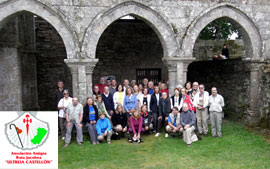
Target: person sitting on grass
x=174 y=125
x=146 y=118
x=104 y=128
x=119 y=120
x=90 y=118
x=136 y=121
x=187 y=120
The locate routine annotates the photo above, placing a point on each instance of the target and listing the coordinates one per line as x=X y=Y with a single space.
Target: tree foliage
x=218 y=29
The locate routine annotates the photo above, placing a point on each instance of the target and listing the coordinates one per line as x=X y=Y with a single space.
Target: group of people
x=116 y=109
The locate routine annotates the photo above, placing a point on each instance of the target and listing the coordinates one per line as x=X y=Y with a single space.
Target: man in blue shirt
x=174 y=125
x=151 y=87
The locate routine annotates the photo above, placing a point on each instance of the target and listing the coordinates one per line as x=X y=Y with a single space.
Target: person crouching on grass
x=187 y=120
x=119 y=120
x=146 y=118
x=136 y=121
x=104 y=128
x=174 y=125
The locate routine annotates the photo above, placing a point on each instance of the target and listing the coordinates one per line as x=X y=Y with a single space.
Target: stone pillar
x=81 y=70
x=252 y=115
x=177 y=68
x=89 y=72
x=74 y=73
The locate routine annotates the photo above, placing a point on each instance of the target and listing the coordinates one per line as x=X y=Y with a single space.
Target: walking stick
x=16 y=132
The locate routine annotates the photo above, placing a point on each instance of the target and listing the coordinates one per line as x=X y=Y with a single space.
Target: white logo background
x=48 y=144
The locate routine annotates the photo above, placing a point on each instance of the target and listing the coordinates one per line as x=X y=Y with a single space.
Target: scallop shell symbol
x=27 y=132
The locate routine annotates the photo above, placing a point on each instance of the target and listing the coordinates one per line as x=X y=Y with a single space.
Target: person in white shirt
x=176 y=99
x=201 y=105
x=145 y=98
x=195 y=90
x=119 y=95
x=62 y=105
x=216 y=102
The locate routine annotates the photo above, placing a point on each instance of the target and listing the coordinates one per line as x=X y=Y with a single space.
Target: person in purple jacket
x=136 y=121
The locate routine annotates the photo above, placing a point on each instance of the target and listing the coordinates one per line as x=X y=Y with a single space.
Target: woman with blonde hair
x=136 y=121
x=119 y=120
x=130 y=101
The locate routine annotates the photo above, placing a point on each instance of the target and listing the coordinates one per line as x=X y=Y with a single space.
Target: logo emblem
x=27 y=132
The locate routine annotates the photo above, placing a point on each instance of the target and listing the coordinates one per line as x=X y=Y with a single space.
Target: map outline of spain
x=41 y=133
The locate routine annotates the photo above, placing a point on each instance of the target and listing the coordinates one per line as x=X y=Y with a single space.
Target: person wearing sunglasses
x=62 y=105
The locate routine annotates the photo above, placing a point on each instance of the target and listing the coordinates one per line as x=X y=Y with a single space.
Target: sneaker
x=166 y=135
x=79 y=144
x=66 y=145
x=154 y=131
x=130 y=139
x=139 y=141
x=134 y=140
x=157 y=134
x=109 y=142
x=63 y=138
x=205 y=135
x=189 y=145
x=214 y=136
x=219 y=136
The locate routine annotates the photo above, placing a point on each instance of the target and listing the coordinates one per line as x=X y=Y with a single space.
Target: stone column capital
x=173 y=62
x=74 y=64
x=81 y=62
x=253 y=65
x=82 y=70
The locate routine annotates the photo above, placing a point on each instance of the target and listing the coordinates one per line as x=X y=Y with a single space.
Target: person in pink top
x=136 y=121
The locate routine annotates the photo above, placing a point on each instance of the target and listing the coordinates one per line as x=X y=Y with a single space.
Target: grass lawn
x=238 y=148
